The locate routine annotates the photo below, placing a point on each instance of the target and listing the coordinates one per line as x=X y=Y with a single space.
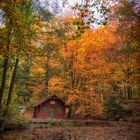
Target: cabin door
x=51 y=113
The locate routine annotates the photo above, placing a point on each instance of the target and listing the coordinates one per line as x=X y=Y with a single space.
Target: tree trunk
x=69 y=115
x=129 y=88
x=47 y=75
x=129 y=93
x=47 y=83
x=3 y=121
x=5 y=69
x=12 y=83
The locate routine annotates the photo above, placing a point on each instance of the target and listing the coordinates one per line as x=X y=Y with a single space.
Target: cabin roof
x=46 y=99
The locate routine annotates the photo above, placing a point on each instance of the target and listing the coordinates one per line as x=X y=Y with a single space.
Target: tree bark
x=47 y=75
x=8 y=102
x=12 y=83
x=129 y=93
x=3 y=83
x=129 y=88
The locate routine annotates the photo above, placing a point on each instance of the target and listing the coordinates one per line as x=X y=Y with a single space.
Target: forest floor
x=101 y=130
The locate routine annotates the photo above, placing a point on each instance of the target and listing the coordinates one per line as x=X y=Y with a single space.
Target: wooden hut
x=50 y=108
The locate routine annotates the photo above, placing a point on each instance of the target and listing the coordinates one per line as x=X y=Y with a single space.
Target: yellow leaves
x=37 y=67
x=91 y=44
x=16 y=14
x=84 y=103
x=15 y=1
x=55 y=84
x=3 y=4
x=73 y=96
x=40 y=70
x=71 y=20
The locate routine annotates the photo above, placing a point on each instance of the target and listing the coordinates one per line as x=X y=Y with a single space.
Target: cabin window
x=44 y=109
x=52 y=102
x=60 y=110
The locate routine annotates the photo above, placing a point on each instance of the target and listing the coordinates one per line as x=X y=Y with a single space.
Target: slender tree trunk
x=70 y=113
x=47 y=75
x=129 y=93
x=47 y=82
x=129 y=88
x=12 y=83
x=5 y=69
x=3 y=121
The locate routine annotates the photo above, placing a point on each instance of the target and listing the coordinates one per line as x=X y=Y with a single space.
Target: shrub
x=52 y=122
x=14 y=119
x=114 y=109
x=61 y=123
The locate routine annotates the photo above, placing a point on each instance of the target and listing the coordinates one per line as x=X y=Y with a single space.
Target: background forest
x=88 y=56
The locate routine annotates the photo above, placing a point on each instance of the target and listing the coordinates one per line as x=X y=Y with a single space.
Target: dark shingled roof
x=47 y=98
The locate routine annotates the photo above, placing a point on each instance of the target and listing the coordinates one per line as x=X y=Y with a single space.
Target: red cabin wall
x=46 y=115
